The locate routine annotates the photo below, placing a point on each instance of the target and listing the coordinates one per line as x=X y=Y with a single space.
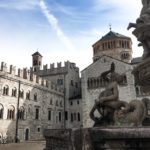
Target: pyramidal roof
x=111 y=35
x=37 y=53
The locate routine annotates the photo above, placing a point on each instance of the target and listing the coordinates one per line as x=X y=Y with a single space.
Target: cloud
x=124 y=5
x=54 y=24
x=19 y=4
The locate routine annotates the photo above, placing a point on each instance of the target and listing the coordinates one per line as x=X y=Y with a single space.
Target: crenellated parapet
x=58 y=68
x=27 y=76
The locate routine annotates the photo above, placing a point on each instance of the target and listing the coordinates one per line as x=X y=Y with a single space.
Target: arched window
x=5 y=90
x=21 y=113
x=11 y=112
x=30 y=110
x=1 y=111
x=21 y=94
x=35 y=97
x=28 y=95
x=14 y=92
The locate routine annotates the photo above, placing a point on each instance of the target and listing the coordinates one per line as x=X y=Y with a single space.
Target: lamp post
x=17 y=119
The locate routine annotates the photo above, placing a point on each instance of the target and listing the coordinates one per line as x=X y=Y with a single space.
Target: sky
x=61 y=30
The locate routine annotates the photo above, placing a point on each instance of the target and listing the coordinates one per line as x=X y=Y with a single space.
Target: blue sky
x=61 y=29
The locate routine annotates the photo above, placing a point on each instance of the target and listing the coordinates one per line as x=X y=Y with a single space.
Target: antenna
x=110 y=26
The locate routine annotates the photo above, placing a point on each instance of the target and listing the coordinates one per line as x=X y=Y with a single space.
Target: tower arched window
x=6 y=90
x=11 y=112
x=35 y=62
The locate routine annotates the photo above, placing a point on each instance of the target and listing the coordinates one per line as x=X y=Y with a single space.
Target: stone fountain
x=120 y=126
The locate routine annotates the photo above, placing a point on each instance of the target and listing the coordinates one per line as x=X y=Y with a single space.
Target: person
x=108 y=100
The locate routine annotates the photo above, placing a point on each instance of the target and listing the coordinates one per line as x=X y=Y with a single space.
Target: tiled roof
x=37 y=53
x=111 y=35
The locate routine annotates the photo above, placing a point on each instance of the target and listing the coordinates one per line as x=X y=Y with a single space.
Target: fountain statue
x=142 y=32
x=114 y=112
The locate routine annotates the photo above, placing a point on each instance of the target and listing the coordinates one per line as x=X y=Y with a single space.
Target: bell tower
x=114 y=45
x=36 y=61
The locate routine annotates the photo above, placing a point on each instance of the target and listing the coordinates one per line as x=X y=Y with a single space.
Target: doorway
x=27 y=135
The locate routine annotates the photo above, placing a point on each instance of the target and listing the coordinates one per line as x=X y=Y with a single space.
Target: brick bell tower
x=36 y=61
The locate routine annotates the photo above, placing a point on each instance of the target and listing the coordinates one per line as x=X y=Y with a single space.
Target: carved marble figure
x=108 y=100
x=142 y=28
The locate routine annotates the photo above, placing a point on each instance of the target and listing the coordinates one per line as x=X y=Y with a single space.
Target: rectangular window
x=76 y=85
x=66 y=115
x=59 y=116
x=72 y=82
x=71 y=117
x=37 y=113
x=49 y=114
x=78 y=116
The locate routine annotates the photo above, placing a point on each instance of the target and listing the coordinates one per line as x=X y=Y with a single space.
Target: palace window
x=5 y=90
x=21 y=113
x=21 y=94
x=60 y=81
x=28 y=95
x=14 y=92
x=35 y=97
x=11 y=112
x=51 y=101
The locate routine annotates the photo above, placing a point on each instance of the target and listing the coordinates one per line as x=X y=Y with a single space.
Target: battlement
x=58 y=68
x=27 y=75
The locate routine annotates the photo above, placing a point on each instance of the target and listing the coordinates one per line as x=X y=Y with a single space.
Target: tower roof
x=37 y=53
x=111 y=35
